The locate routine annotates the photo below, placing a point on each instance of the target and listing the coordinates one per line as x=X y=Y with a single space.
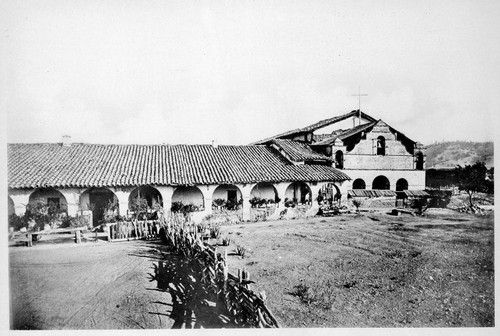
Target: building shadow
x=192 y=305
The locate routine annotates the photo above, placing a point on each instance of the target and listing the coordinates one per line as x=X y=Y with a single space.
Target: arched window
x=401 y=185
x=419 y=161
x=359 y=184
x=380 y=145
x=381 y=183
x=339 y=160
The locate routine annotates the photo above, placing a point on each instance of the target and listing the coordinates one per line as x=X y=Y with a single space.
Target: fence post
x=78 y=236
x=29 y=243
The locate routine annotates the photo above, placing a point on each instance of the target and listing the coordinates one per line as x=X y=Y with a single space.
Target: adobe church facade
x=373 y=154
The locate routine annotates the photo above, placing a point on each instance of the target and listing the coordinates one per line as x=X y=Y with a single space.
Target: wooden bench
x=27 y=237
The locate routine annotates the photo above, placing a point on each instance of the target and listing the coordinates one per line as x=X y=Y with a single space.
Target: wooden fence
x=133 y=230
x=247 y=308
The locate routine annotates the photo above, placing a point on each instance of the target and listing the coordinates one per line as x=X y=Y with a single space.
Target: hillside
x=453 y=153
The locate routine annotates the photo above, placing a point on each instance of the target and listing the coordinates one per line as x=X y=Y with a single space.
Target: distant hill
x=453 y=153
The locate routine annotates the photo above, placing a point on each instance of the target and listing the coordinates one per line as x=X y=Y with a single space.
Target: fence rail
x=128 y=230
x=246 y=307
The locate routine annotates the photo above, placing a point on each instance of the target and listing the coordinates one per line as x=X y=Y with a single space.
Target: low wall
x=374 y=202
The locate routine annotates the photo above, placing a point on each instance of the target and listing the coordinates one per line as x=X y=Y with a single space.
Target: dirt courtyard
x=98 y=286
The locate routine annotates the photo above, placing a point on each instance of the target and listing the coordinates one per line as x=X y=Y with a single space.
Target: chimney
x=66 y=140
x=215 y=144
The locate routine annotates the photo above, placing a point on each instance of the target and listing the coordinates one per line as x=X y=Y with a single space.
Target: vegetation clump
x=321 y=294
x=474 y=179
x=241 y=251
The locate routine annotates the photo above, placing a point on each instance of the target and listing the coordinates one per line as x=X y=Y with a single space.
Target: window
x=339 y=160
x=380 y=145
x=419 y=161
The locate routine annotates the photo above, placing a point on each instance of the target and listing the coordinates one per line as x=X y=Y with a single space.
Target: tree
x=473 y=179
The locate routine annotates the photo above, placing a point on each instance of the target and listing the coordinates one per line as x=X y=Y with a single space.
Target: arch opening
x=51 y=197
x=419 y=161
x=339 y=159
x=329 y=194
x=263 y=193
x=187 y=198
x=102 y=202
x=298 y=193
x=401 y=184
x=359 y=184
x=381 y=183
x=380 y=145
x=145 y=201
x=227 y=196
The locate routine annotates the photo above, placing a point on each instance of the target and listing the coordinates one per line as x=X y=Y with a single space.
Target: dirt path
x=98 y=286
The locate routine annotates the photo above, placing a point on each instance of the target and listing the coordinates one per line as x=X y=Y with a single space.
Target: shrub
x=38 y=214
x=357 y=204
x=69 y=222
x=420 y=205
x=110 y=213
x=255 y=201
x=321 y=294
x=219 y=202
x=188 y=208
x=241 y=251
x=215 y=231
x=176 y=206
x=226 y=241
x=17 y=222
x=289 y=203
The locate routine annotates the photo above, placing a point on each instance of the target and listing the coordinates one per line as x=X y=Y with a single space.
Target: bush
x=420 y=205
x=184 y=208
x=73 y=222
x=255 y=201
x=177 y=206
x=218 y=202
x=321 y=294
x=357 y=204
x=289 y=203
x=39 y=214
x=215 y=231
x=226 y=241
x=17 y=222
x=241 y=251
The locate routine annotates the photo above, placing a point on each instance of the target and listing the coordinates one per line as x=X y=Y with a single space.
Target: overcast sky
x=238 y=71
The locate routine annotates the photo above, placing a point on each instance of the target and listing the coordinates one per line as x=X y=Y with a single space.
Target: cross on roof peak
x=359 y=95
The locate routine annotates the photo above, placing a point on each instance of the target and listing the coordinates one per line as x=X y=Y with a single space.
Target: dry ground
x=373 y=270
x=100 y=286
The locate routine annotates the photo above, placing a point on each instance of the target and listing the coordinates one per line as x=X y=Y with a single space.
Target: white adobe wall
x=415 y=178
x=364 y=154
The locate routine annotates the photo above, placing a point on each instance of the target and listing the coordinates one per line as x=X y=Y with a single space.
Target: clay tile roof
x=316 y=126
x=92 y=165
x=416 y=193
x=371 y=193
x=299 y=151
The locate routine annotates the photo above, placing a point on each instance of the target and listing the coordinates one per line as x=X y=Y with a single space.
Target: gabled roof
x=92 y=165
x=299 y=151
x=345 y=134
x=318 y=125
